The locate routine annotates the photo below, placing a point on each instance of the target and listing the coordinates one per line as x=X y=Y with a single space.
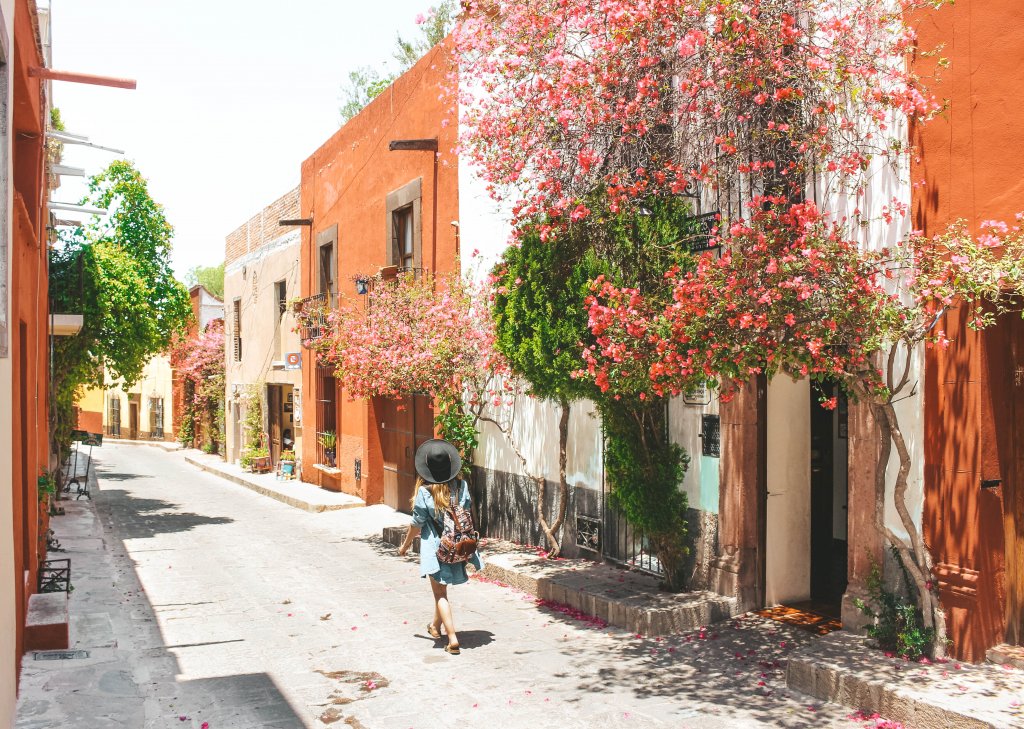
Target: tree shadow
x=139 y=518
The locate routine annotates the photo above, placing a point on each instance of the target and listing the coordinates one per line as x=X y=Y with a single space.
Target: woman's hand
x=403 y=550
x=410 y=535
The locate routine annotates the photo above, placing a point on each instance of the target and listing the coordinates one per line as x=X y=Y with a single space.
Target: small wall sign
x=293 y=361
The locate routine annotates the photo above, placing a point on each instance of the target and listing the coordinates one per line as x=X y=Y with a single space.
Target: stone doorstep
x=1006 y=655
x=839 y=667
x=282 y=496
x=46 y=625
x=636 y=605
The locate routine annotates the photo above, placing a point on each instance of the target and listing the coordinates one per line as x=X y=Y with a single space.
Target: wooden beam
x=295 y=221
x=80 y=78
x=419 y=145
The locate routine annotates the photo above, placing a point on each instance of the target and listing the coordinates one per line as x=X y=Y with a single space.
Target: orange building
x=970 y=159
x=24 y=332
x=380 y=196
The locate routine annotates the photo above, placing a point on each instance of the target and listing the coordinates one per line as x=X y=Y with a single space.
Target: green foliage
x=540 y=312
x=367 y=83
x=117 y=273
x=46 y=485
x=328 y=439
x=211 y=277
x=644 y=469
x=898 y=625
x=458 y=427
x=252 y=422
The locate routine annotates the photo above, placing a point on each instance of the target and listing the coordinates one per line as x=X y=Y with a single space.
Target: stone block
x=46 y=624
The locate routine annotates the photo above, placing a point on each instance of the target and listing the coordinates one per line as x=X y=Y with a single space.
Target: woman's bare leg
x=443 y=610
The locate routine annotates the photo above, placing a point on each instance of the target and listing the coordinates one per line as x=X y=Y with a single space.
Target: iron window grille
x=710 y=434
x=156 y=417
x=115 y=416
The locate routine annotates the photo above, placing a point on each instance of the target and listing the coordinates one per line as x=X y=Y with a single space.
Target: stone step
x=46 y=624
x=1006 y=655
x=618 y=597
x=839 y=667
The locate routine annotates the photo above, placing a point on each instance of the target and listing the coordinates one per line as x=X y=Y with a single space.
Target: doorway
x=280 y=419
x=133 y=420
x=405 y=424
x=829 y=476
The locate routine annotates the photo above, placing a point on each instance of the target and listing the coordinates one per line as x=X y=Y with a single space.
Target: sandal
x=452 y=649
x=433 y=632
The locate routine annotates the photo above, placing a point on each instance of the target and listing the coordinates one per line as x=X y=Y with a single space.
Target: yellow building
x=140 y=412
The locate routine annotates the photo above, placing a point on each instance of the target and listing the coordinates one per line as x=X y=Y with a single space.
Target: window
x=281 y=306
x=403 y=221
x=281 y=296
x=405 y=226
x=156 y=417
x=326 y=417
x=236 y=327
x=114 y=417
x=327 y=241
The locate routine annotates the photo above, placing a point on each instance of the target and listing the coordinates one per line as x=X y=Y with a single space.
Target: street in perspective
x=626 y=363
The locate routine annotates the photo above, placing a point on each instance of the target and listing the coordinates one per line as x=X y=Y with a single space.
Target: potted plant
x=261 y=459
x=329 y=442
x=287 y=463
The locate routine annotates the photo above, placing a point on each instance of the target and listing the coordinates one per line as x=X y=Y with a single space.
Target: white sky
x=232 y=96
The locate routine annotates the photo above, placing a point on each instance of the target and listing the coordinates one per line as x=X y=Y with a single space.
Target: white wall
x=788 y=553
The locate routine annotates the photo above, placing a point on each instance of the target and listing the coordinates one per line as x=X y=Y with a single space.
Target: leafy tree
x=793 y=294
x=366 y=83
x=116 y=272
x=541 y=289
x=211 y=277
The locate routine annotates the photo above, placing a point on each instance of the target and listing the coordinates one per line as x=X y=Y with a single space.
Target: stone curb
x=166 y=445
x=841 y=668
x=640 y=609
x=276 y=495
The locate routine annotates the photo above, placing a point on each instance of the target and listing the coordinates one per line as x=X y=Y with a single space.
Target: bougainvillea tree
x=646 y=97
x=792 y=294
x=199 y=361
x=413 y=334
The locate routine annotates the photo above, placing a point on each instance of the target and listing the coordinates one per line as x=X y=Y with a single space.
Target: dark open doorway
x=829 y=515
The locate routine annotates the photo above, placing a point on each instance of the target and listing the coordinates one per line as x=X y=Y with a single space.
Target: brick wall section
x=262 y=228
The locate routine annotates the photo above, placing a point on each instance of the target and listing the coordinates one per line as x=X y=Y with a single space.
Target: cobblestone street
x=206 y=605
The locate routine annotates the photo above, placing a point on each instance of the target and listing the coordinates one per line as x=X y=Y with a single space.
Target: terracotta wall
x=345 y=183
x=970 y=160
x=28 y=313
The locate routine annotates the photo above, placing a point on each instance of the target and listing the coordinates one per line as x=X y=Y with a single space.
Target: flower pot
x=287 y=467
x=329 y=454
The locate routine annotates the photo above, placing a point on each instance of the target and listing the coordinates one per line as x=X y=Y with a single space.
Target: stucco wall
x=156 y=382
x=267 y=337
x=345 y=183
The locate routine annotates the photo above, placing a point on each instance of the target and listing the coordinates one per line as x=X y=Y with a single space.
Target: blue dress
x=424 y=517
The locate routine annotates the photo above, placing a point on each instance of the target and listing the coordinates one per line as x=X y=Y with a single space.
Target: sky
x=232 y=96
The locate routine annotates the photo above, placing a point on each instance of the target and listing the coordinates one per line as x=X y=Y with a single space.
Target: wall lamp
x=362 y=285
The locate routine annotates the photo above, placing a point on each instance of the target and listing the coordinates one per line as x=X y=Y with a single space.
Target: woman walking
x=440 y=496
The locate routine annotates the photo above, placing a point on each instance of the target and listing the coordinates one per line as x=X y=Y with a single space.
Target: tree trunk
x=551 y=531
x=913 y=552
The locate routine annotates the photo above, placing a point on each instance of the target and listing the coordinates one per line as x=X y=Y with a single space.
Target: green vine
x=458 y=427
x=898 y=625
x=540 y=311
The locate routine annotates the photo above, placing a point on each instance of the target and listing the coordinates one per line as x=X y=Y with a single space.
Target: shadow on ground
x=139 y=518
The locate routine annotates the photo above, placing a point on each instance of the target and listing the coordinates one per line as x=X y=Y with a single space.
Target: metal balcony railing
x=312 y=313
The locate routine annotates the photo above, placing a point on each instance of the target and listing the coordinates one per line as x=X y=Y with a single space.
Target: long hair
x=441 y=493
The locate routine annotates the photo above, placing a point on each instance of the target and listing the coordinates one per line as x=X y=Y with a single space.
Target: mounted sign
x=293 y=361
x=698 y=395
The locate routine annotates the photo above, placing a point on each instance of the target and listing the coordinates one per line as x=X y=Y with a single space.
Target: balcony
x=312 y=313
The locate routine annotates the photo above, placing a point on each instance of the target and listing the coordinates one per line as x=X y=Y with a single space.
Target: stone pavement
x=202 y=603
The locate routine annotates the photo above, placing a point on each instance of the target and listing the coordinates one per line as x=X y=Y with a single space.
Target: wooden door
x=274 y=413
x=133 y=420
x=405 y=424
x=1003 y=458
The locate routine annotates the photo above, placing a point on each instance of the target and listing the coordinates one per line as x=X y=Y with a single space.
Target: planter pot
x=261 y=464
x=288 y=467
x=329 y=454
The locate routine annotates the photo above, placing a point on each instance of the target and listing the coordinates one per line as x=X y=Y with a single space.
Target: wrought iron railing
x=312 y=313
x=55 y=575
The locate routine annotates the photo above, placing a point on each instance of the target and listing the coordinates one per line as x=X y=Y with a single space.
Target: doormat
x=58 y=655
x=802 y=618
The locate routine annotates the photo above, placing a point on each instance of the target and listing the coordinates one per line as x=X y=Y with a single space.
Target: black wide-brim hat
x=438 y=461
